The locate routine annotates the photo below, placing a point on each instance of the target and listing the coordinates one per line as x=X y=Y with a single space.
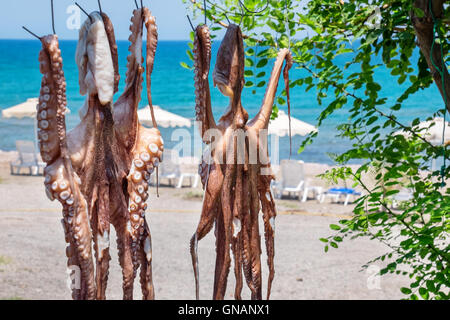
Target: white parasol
x=280 y=126
x=163 y=118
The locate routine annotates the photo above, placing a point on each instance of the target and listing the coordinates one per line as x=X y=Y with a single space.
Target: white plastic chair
x=189 y=171
x=405 y=194
x=28 y=158
x=169 y=168
x=292 y=178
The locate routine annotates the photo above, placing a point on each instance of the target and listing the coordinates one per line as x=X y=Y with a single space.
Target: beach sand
x=33 y=262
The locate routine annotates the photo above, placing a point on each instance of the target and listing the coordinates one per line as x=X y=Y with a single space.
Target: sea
x=173 y=90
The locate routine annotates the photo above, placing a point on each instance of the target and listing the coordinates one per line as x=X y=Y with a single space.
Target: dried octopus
x=100 y=170
x=236 y=184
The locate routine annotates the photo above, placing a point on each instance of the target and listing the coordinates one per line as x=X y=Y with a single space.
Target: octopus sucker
x=234 y=191
x=99 y=171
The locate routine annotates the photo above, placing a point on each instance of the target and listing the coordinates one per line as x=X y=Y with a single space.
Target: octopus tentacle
x=237 y=234
x=202 y=58
x=125 y=108
x=77 y=229
x=146 y=157
x=59 y=174
x=212 y=177
x=261 y=120
x=152 y=42
x=148 y=291
x=245 y=233
x=255 y=258
x=224 y=235
x=269 y=215
x=125 y=257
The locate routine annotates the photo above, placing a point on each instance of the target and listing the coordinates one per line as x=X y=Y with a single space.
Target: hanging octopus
x=100 y=170
x=236 y=183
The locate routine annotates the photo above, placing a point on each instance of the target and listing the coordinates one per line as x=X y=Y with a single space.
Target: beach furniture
x=337 y=194
x=402 y=196
x=292 y=178
x=169 y=168
x=28 y=159
x=315 y=190
x=177 y=170
x=189 y=170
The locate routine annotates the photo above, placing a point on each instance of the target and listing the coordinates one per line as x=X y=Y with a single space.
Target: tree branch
x=423 y=27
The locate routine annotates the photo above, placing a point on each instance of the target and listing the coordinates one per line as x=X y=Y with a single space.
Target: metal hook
x=100 y=6
x=53 y=17
x=242 y=13
x=204 y=10
x=190 y=22
x=84 y=11
x=226 y=17
x=32 y=33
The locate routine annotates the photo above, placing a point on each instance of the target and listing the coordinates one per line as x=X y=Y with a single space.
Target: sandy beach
x=33 y=262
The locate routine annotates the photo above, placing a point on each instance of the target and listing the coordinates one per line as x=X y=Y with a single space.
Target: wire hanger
x=84 y=11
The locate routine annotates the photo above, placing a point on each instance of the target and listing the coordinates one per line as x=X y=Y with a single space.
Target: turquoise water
x=172 y=89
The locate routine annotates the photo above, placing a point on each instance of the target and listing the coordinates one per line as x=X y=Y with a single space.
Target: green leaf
x=261 y=63
x=424 y=293
x=185 y=65
x=405 y=290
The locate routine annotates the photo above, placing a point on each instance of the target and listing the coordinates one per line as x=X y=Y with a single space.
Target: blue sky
x=36 y=15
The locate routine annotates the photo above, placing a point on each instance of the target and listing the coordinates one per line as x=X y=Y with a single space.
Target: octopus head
x=228 y=73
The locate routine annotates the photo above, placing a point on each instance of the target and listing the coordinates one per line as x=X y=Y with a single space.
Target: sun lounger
x=28 y=159
x=338 y=193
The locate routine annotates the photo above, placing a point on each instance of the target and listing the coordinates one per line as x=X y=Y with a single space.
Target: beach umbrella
x=27 y=109
x=280 y=126
x=431 y=131
x=163 y=118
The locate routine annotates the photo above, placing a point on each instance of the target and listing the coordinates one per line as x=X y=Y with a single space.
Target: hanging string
x=32 y=33
x=436 y=29
x=53 y=17
x=100 y=7
x=84 y=11
x=190 y=22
